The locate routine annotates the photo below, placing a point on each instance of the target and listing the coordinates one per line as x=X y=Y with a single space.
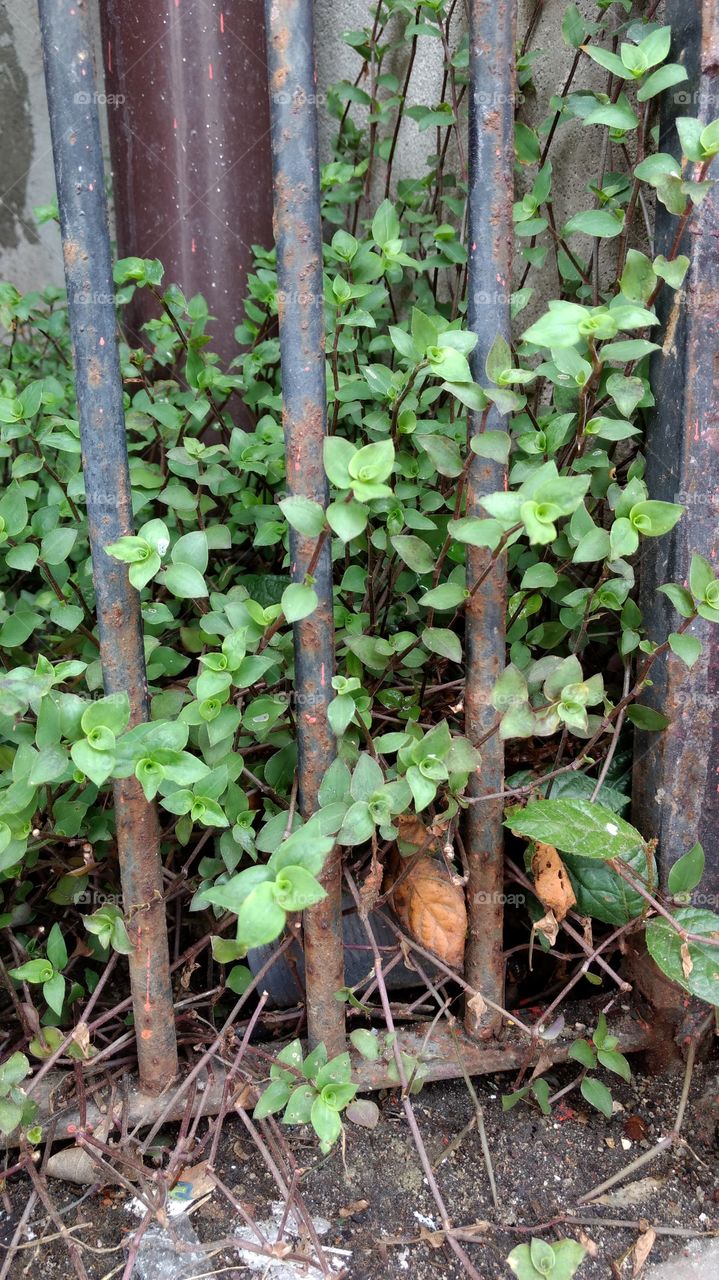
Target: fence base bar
x=439 y=1052
x=77 y=153
x=295 y=161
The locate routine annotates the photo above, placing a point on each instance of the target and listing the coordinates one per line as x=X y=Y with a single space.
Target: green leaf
x=111 y=712
x=54 y=992
x=415 y=553
x=616 y=115
x=494 y=445
x=325 y=1122
x=372 y=464
x=701 y=578
x=385 y=224
x=358 y=825
x=566 y=1258
x=307 y=517
x=295 y=889
x=260 y=920
x=443 y=598
x=366 y=1043
x=443 y=452
x=446 y=643
x=597 y=1095
x=603 y=894
x=56 y=546
x=337 y=455
x=652 y=519
x=298 y=601
x=299 y=1107
x=605 y=58
x=33 y=971
x=185 y=582
x=273 y=1099
x=23 y=558
x=680 y=598
x=647 y=718
x=672 y=271
x=581 y=1051
x=660 y=80
x=191 y=550
x=686 y=872
x=602 y=223
x=686 y=647
x=576 y=826
x=694 y=966
x=13 y=1071
x=56 y=949
x=347 y=519
x=615 y=1062
x=96 y=765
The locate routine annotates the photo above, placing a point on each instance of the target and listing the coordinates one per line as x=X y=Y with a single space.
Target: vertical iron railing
x=676 y=772
x=77 y=152
x=491 y=170
x=293 y=113
x=188 y=125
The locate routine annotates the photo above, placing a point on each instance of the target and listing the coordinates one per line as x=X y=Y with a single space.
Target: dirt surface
x=542 y=1165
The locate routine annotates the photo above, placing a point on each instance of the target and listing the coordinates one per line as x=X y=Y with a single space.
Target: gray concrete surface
x=699 y=1260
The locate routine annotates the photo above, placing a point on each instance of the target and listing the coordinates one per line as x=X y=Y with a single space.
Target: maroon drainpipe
x=188 y=118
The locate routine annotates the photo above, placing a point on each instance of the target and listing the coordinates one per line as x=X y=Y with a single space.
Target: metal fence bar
x=676 y=772
x=293 y=115
x=77 y=153
x=491 y=170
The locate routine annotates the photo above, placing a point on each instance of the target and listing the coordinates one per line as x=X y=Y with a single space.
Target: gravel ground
x=542 y=1165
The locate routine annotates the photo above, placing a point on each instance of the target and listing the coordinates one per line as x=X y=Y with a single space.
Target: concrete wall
x=30 y=255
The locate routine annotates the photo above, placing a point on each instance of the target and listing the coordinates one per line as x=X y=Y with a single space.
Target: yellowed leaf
x=551 y=882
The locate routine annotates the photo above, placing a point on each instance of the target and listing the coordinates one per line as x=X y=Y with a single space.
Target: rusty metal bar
x=438 y=1049
x=298 y=234
x=188 y=124
x=676 y=773
x=491 y=169
x=77 y=153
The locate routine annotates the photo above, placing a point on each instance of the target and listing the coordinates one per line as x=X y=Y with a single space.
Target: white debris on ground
x=159 y=1259
x=281 y=1268
x=698 y=1260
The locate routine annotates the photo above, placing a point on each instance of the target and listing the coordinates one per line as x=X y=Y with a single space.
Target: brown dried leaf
x=435 y=1239
x=432 y=909
x=589 y=1244
x=370 y=888
x=81 y=1037
x=411 y=830
x=477 y=1005
x=641 y=1251
x=551 y=882
x=635 y=1128
x=549 y=927
x=357 y=1206
x=687 y=962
